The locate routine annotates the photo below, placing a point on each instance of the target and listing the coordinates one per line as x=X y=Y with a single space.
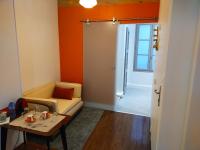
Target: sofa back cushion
x=63 y=93
x=44 y=91
x=77 y=87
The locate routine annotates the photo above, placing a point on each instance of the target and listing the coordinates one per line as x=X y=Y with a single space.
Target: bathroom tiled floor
x=137 y=100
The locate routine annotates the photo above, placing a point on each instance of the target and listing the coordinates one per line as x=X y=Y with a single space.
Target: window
x=144 y=57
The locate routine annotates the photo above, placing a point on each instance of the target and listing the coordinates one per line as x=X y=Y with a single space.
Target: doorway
x=135 y=64
x=125 y=81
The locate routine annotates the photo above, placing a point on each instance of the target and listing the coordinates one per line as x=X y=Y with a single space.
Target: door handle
x=158 y=92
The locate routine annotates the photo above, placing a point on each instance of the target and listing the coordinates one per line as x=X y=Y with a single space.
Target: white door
x=157 y=99
x=99 y=62
x=158 y=86
x=159 y=74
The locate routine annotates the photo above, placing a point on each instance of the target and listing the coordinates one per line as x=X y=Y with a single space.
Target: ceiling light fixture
x=88 y=22
x=88 y=3
x=114 y=20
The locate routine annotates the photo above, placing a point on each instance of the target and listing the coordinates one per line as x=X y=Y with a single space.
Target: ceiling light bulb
x=88 y=3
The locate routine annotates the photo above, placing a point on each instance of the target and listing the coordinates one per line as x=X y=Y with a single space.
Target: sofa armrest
x=77 y=87
x=50 y=103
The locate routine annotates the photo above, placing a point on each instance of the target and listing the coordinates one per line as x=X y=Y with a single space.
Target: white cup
x=45 y=114
x=30 y=118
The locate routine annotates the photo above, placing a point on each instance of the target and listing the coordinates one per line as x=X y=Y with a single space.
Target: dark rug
x=78 y=130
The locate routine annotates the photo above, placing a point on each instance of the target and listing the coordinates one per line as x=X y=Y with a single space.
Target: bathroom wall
x=135 y=78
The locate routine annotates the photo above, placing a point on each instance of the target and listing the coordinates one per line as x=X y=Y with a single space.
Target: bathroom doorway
x=135 y=65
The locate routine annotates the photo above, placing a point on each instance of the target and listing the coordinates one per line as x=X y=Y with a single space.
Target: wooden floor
x=119 y=131
x=32 y=146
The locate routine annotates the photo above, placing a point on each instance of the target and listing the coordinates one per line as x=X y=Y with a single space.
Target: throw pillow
x=63 y=93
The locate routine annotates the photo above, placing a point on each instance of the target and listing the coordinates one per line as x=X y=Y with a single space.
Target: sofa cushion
x=63 y=93
x=50 y=103
x=64 y=105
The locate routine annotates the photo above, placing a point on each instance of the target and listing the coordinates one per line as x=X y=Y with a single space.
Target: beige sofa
x=43 y=96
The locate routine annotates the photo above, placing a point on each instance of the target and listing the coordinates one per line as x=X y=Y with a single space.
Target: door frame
x=126 y=60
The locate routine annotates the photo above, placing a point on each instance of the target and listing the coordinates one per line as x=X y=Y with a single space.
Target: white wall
x=141 y=79
x=37 y=32
x=10 y=82
x=29 y=55
x=182 y=31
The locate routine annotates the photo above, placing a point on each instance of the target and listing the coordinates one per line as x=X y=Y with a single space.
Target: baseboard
x=138 y=85
x=99 y=105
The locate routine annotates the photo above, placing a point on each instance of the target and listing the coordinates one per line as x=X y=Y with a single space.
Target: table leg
x=4 y=132
x=64 y=138
x=48 y=143
x=24 y=136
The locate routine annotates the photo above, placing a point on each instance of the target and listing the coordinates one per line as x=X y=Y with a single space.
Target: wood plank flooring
x=119 y=131
x=32 y=146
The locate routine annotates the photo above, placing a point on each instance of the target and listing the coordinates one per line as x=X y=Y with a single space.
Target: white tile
x=137 y=101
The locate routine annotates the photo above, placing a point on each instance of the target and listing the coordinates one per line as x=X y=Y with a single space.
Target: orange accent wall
x=71 y=31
